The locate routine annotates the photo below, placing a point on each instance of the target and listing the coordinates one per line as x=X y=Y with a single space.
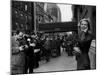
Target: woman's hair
x=88 y=24
x=86 y=20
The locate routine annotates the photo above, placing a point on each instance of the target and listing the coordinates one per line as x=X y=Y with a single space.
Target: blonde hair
x=89 y=29
x=87 y=20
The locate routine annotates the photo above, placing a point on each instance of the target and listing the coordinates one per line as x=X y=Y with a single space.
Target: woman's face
x=84 y=26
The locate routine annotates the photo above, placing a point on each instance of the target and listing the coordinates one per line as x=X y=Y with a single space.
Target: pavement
x=61 y=63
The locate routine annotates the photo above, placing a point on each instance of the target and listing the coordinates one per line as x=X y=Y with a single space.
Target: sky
x=66 y=12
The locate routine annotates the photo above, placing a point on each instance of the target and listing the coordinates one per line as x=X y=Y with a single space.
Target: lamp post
x=34 y=18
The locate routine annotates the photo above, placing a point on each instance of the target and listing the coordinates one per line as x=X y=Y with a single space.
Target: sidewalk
x=61 y=63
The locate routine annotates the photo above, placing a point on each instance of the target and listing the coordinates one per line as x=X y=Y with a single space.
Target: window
x=25 y=7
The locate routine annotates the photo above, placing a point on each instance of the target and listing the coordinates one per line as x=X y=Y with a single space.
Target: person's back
x=47 y=44
x=14 y=44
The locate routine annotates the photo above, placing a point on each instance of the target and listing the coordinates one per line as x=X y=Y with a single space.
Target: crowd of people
x=39 y=47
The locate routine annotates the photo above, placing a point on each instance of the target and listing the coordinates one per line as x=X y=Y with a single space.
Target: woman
x=82 y=49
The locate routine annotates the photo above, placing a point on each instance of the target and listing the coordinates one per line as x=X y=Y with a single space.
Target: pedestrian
x=37 y=51
x=18 y=55
x=14 y=43
x=58 y=44
x=47 y=46
x=29 y=56
x=82 y=49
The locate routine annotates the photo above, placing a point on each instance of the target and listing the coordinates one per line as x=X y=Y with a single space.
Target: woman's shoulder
x=89 y=35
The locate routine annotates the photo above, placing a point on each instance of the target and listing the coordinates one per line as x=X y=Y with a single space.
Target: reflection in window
x=21 y=25
x=16 y=23
x=21 y=14
x=16 y=12
x=25 y=7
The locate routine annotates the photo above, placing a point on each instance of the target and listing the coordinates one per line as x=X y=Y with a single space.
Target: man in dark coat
x=29 y=55
x=58 y=44
x=37 y=50
x=47 y=46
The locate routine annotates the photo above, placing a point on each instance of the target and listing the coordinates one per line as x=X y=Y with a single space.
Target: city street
x=61 y=63
x=41 y=30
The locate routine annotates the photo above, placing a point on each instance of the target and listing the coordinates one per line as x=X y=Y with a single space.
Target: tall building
x=22 y=16
x=41 y=15
x=26 y=16
x=54 y=11
x=39 y=12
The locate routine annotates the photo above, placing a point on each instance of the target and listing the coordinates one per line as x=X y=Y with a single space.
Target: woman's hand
x=77 y=49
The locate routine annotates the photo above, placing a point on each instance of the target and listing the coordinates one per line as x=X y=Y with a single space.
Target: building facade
x=54 y=11
x=26 y=16
x=44 y=15
x=22 y=15
x=87 y=12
